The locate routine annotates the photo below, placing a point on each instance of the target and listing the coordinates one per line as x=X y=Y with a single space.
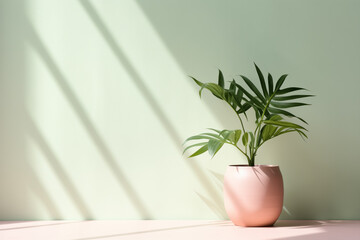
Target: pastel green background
x=95 y=103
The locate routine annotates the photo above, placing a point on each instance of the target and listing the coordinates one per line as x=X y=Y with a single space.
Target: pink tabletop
x=171 y=230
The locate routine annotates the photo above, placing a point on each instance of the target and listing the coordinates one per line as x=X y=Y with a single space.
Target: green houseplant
x=270 y=106
x=253 y=194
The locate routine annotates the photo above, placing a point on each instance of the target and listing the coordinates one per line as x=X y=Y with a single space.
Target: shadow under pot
x=253 y=195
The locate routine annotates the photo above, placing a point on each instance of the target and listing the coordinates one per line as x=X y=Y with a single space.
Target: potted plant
x=253 y=194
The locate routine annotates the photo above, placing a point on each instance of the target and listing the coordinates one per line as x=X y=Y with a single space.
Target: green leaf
x=214 y=146
x=276 y=118
x=287 y=90
x=285 y=98
x=226 y=134
x=252 y=139
x=279 y=111
x=210 y=135
x=232 y=87
x=267 y=132
x=270 y=83
x=215 y=89
x=258 y=140
x=200 y=151
x=197 y=137
x=241 y=100
x=244 y=108
x=234 y=105
x=245 y=139
x=288 y=105
x=239 y=95
x=302 y=120
x=227 y=96
x=194 y=145
x=262 y=80
x=285 y=113
x=236 y=102
x=253 y=101
x=280 y=129
x=253 y=88
x=283 y=132
x=221 y=79
x=272 y=131
x=212 y=87
x=197 y=81
x=301 y=133
x=237 y=136
x=284 y=124
x=280 y=82
x=215 y=130
x=238 y=98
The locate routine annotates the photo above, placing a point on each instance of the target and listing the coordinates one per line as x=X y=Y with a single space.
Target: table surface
x=169 y=230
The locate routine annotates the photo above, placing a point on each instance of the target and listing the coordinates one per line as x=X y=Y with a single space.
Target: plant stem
x=243 y=153
x=252 y=162
x=243 y=128
x=257 y=147
x=257 y=132
x=242 y=125
x=262 y=117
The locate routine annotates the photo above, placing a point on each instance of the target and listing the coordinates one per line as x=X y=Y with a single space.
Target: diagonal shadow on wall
x=19 y=183
x=36 y=186
x=38 y=45
x=138 y=81
x=58 y=169
x=214 y=207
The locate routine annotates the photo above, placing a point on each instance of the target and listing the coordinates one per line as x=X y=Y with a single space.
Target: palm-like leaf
x=214 y=141
x=200 y=151
x=268 y=104
x=270 y=84
x=233 y=96
x=262 y=81
x=214 y=146
x=287 y=105
x=221 y=79
x=254 y=89
x=291 y=97
x=245 y=139
x=284 y=124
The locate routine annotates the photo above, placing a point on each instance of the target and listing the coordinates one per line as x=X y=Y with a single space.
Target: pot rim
x=257 y=165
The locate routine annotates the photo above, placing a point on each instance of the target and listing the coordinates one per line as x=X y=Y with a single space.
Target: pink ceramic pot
x=253 y=196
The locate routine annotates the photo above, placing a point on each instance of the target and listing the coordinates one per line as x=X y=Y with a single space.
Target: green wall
x=95 y=103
